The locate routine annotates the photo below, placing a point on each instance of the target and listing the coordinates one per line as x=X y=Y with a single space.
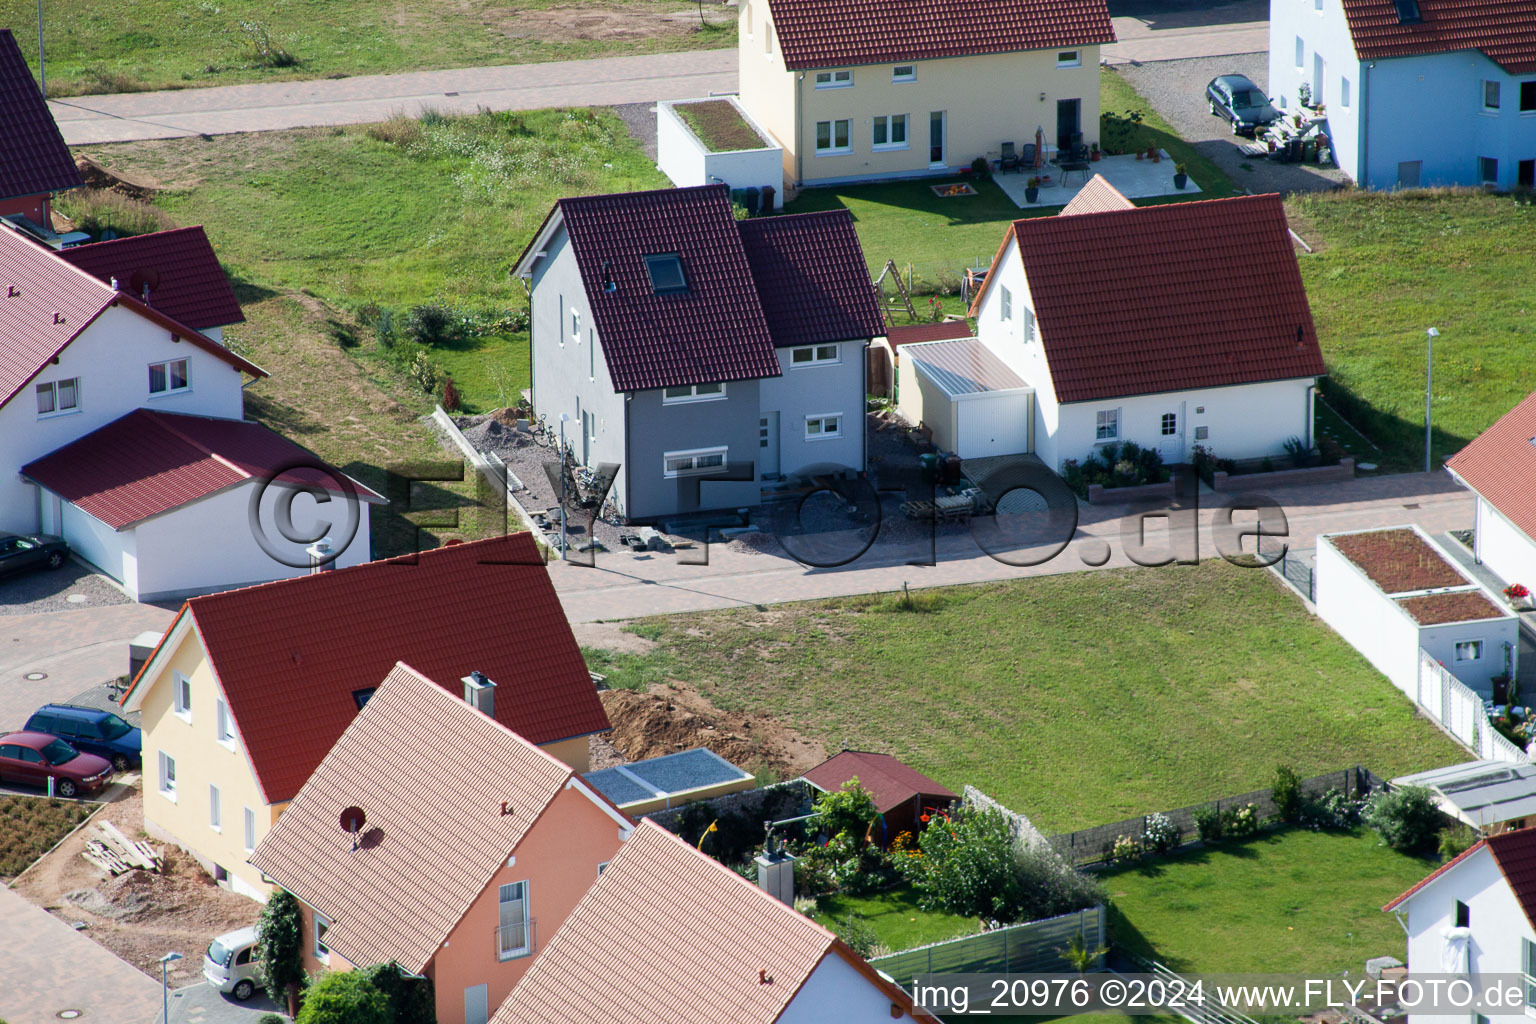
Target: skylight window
x=666 y=270
x=1407 y=11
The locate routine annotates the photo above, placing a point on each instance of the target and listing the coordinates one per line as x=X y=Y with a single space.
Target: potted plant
x=1519 y=596
x=1157 y=154
x=1093 y=152
x=981 y=167
x=1180 y=175
x=1032 y=190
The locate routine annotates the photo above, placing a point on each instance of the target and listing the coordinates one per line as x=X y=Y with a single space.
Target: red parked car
x=31 y=757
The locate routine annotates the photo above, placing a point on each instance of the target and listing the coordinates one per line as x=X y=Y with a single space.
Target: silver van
x=230 y=965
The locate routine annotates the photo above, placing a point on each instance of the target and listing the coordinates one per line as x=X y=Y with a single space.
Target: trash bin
x=753 y=193
x=768 y=194
x=930 y=464
x=951 y=470
x=739 y=196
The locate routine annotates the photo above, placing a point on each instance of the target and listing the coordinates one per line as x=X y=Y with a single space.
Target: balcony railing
x=516 y=940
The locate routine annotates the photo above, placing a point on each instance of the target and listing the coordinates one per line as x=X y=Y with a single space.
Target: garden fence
x=1294 y=567
x=1090 y=845
x=1461 y=712
x=1029 y=948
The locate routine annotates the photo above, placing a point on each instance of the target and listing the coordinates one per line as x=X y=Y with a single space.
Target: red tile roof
x=1442 y=869
x=45 y=303
x=1513 y=852
x=184 y=278
x=1500 y=465
x=717 y=949
x=290 y=655
x=811 y=278
x=914 y=334
x=432 y=839
x=1168 y=298
x=716 y=331
x=890 y=782
x=148 y=462
x=33 y=157
x=838 y=33
x=1504 y=30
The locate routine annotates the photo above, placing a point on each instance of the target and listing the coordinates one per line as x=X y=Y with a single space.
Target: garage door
x=996 y=424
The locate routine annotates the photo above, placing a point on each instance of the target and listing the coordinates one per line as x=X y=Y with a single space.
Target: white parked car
x=230 y=964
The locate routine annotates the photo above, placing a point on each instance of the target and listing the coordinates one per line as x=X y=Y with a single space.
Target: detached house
x=1476 y=915
x=857 y=90
x=1416 y=92
x=1499 y=466
x=469 y=846
x=668 y=934
x=1172 y=326
x=704 y=356
x=34 y=161
x=249 y=689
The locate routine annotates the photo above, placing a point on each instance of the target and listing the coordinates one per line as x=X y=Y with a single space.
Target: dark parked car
x=92 y=730
x=40 y=551
x=31 y=757
x=1238 y=100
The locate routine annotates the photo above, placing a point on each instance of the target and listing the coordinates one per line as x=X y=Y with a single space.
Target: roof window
x=666 y=270
x=1407 y=11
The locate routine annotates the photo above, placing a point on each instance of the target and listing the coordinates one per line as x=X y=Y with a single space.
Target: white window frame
x=904 y=73
x=591 y=354
x=822 y=433
x=818 y=357
x=1106 y=425
x=322 y=925
x=1069 y=58
x=1345 y=93
x=1029 y=324
x=832 y=148
x=888 y=123
x=1485 y=85
x=1475 y=653
x=841 y=79
x=53 y=389
x=164 y=366
x=166 y=783
x=181 y=696
x=1301 y=54
x=1528 y=968
x=575 y=326
x=248 y=823
x=768 y=39
x=503 y=954
x=1005 y=306
x=693 y=454
x=1167 y=428
x=215 y=808
x=602 y=866
x=693 y=394
x=223 y=723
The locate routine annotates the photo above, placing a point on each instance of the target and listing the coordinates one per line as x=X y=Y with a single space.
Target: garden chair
x=1009 y=160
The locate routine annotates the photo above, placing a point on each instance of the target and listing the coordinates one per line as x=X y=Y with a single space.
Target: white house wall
x=837 y=991
x=1006 y=339
x=93 y=540
x=681 y=156
x=1326 y=33
x=1498 y=635
x=111 y=358
x=1358 y=611
x=1504 y=547
x=804 y=391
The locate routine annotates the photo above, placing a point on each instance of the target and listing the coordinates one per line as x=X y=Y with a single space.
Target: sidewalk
x=1241 y=27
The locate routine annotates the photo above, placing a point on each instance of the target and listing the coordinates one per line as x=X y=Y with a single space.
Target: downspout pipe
x=799 y=131
x=528 y=294
x=1362 y=120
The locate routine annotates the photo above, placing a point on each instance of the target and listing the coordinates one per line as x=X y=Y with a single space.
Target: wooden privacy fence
x=1088 y=846
x=1017 y=949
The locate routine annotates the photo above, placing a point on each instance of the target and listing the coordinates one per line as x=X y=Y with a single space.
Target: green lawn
x=98 y=46
x=1292 y=901
x=1076 y=699
x=895 y=918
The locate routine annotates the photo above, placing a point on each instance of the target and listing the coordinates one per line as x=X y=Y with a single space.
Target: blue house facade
x=1418 y=93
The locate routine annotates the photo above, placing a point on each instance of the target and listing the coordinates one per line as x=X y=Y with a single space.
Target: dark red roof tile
x=290 y=654
x=913 y=334
x=888 y=780
x=184 y=278
x=1500 y=465
x=1503 y=30
x=33 y=157
x=1515 y=853
x=811 y=278
x=839 y=33
x=1168 y=298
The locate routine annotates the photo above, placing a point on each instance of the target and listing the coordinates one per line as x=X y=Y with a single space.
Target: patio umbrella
x=1039 y=147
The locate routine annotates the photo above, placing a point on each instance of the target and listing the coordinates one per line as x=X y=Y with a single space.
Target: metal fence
x=1018 y=949
x=1461 y=712
x=1089 y=845
x=1294 y=567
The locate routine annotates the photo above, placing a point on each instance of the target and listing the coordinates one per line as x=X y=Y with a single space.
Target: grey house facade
x=708 y=358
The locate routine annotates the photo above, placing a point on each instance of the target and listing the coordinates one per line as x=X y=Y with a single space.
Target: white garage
x=974 y=404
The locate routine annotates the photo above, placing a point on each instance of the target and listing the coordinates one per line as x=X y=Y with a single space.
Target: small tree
x=850 y=809
x=348 y=997
x=1287 y=794
x=280 y=946
x=1407 y=818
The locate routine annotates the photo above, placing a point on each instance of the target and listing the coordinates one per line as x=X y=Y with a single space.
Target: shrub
x=1454 y=840
x=410 y=999
x=981 y=167
x=1162 y=834
x=270 y=1018
x=855 y=930
x=280 y=944
x=399 y=130
x=450 y=395
x=95 y=210
x=349 y=997
x=1406 y=818
x=1208 y=824
x=434 y=323
x=850 y=809
x=1240 y=822
x=1124 y=850
x=1332 y=810
x=1287 y=794
x=1126 y=464
x=263 y=51
x=425 y=372
x=844 y=863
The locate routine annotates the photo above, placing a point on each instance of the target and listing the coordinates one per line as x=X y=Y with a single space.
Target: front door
x=477 y=1009
x=1069 y=121
x=1170 y=442
x=768 y=445
x=936 y=139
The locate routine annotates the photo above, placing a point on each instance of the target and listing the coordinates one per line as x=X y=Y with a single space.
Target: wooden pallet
x=115 y=853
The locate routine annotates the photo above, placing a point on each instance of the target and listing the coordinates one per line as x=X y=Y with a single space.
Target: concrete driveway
x=202 y=1004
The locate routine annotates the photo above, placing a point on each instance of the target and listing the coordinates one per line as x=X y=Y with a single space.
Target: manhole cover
x=67 y=1014
x=77 y=599
x=35 y=676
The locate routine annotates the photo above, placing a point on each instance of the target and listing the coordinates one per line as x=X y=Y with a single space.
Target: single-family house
x=1499 y=466
x=1172 y=326
x=433 y=837
x=34 y=161
x=689 y=348
x=1490 y=796
x=1393 y=593
x=249 y=689
x=1476 y=914
x=1416 y=92
x=717 y=950
x=902 y=794
x=863 y=90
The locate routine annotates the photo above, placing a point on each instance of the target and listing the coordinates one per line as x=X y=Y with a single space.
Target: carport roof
x=963 y=367
x=1483 y=792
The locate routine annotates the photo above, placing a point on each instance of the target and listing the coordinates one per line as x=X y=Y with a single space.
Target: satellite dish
x=142 y=280
x=353 y=819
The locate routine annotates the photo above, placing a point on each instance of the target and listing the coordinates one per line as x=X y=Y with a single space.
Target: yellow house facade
x=848 y=105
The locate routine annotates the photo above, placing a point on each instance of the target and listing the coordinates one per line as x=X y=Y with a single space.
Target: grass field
x=895 y=918
x=1076 y=699
x=94 y=46
x=1291 y=901
x=30 y=826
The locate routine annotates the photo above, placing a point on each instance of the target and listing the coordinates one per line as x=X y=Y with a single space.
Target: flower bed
x=1398 y=560
x=1115 y=466
x=1464 y=606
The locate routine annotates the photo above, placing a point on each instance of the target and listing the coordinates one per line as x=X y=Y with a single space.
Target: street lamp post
x=1429 y=385
x=42 y=63
x=165 y=992
x=564 y=418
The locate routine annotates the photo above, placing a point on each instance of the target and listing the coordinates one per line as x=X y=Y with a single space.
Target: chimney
x=776 y=869
x=321 y=557
x=480 y=693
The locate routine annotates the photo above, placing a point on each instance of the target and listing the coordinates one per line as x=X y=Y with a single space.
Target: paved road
x=202 y=1004
x=47 y=967
x=1144 y=36
x=623 y=585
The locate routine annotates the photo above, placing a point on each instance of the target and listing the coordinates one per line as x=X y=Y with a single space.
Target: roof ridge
x=159 y=418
